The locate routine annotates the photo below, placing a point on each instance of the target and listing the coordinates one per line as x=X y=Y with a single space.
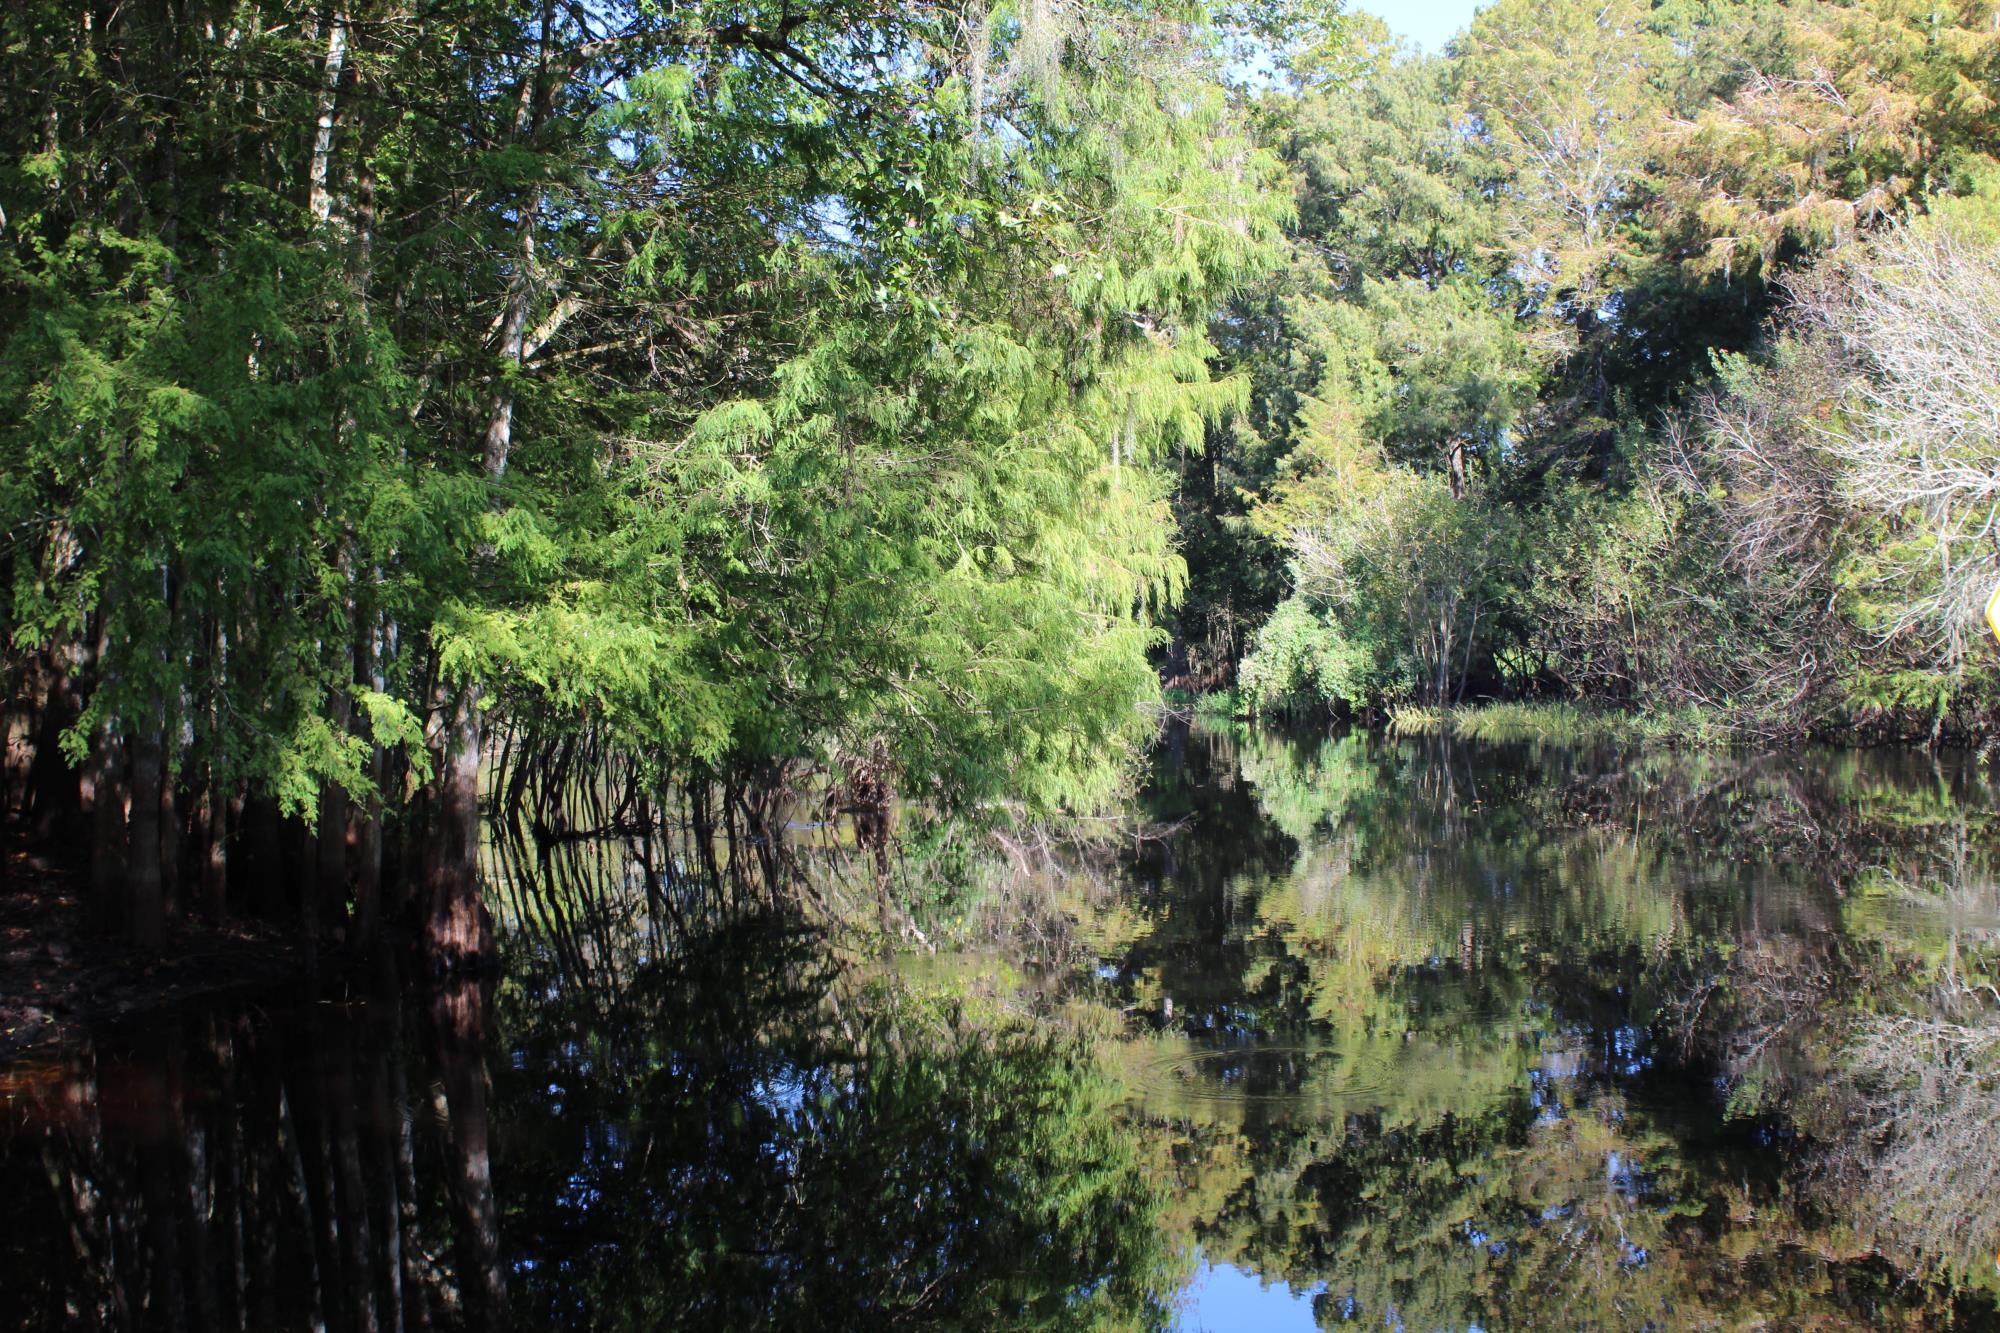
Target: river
x=1328 y=1032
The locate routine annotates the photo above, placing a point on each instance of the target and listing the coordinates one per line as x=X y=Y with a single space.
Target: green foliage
x=1853 y=111
x=1219 y=706
x=1302 y=660
x=747 y=390
x=1521 y=424
x=881 y=398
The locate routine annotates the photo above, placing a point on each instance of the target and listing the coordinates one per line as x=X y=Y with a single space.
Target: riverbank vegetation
x=1629 y=356
x=409 y=410
x=758 y=398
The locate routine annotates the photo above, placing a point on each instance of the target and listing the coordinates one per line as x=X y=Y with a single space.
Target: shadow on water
x=1392 y=1034
x=746 y=1132
x=321 y=1163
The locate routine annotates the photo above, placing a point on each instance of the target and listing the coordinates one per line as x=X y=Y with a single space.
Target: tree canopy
x=879 y=404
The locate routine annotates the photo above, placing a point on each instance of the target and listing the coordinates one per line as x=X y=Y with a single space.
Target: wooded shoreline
x=405 y=407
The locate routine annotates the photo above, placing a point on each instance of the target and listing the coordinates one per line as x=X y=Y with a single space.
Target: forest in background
x=1635 y=356
x=402 y=406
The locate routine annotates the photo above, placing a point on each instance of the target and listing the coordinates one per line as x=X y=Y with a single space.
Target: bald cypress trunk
x=215 y=851
x=457 y=930
x=218 y=798
x=104 y=774
x=104 y=784
x=145 y=915
x=50 y=793
x=171 y=816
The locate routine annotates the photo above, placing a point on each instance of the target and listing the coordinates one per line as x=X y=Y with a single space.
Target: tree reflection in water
x=761 y=1137
x=245 y=1167
x=1457 y=1036
x=1507 y=1038
x=747 y=1134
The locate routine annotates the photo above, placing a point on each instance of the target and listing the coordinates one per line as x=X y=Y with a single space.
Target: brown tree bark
x=104 y=776
x=51 y=793
x=215 y=803
x=330 y=877
x=457 y=929
x=171 y=840
x=145 y=915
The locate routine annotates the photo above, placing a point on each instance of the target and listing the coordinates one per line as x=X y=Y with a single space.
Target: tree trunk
x=368 y=818
x=457 y=932
x=262 y=844
x=145 y=918
x=370 y=643
x=219 y=799
x=52 y=794
x=305 y=879
x=330 y=875
x=215 y=855
x=368 y=856
x=107 y=828
x=170 y=847
x=319 y=194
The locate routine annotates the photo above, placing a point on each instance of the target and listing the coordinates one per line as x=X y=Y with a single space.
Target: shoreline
x=1568 y=722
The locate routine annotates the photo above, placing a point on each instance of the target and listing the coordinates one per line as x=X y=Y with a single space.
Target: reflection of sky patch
x=783 y=1095
x=1625 y=1175
x=579 y=1193
x=1544 y=1096
x=1223 y=1298
x=1625 y=1043
x=1559 y=1064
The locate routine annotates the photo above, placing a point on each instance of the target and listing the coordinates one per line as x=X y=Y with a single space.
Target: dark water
x=1351 y=1032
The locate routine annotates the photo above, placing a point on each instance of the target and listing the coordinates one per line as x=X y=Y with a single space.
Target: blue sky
x=1426 y=23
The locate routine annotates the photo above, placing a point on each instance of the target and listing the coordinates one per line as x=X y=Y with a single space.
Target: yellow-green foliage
x=741 y=417
x=1557 y=724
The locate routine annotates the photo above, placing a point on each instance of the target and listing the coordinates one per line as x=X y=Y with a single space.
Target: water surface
x=1329 y=1032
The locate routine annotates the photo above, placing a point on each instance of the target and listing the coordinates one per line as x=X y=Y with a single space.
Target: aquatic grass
x=1220 y=706
x=1218 y=710
x=1416 y=720
x=1557 y=724
x=1560 y=724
